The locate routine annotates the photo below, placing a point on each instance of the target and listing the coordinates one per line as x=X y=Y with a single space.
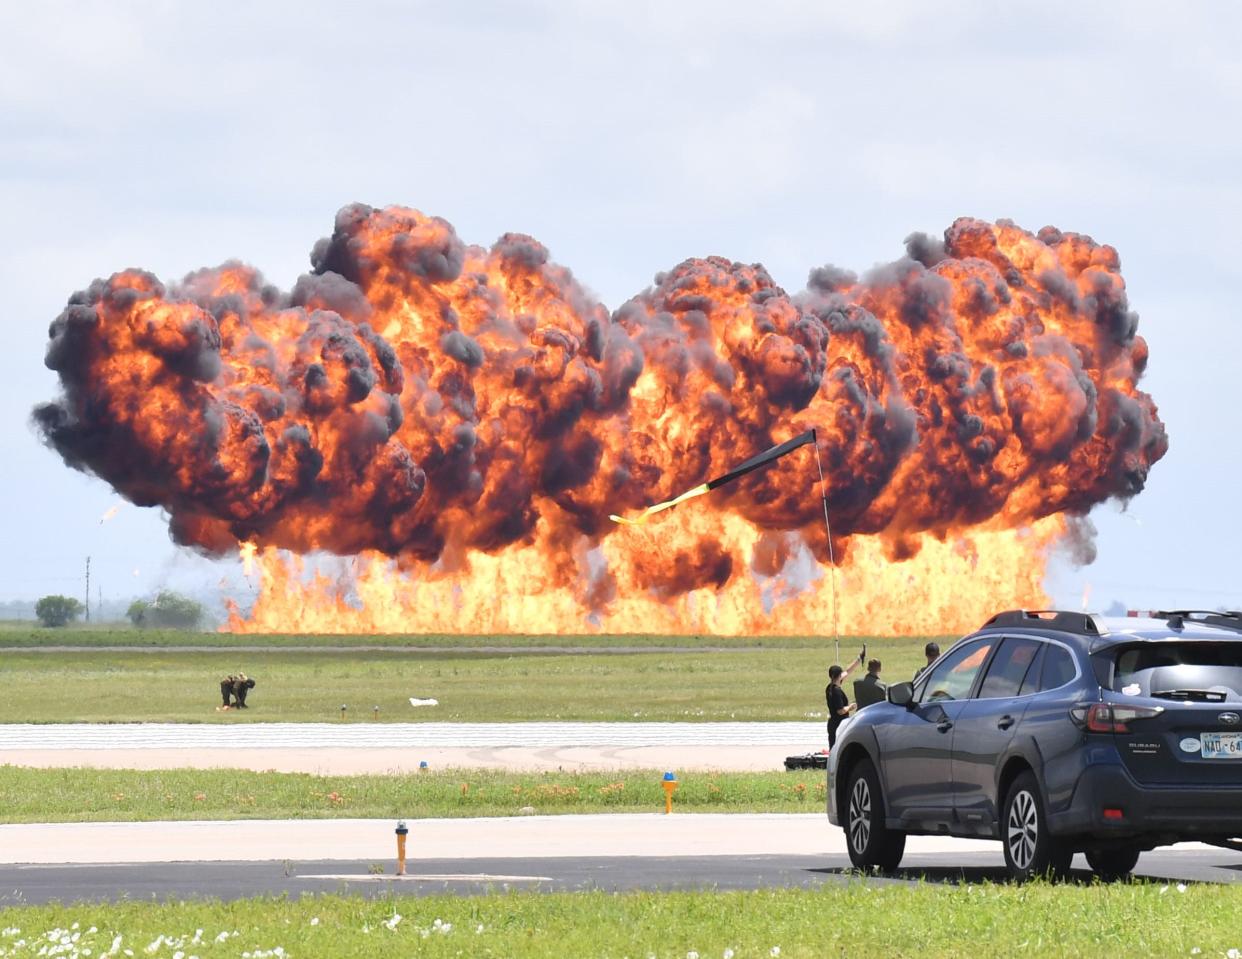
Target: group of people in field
x=869 y=689
x=234 y=688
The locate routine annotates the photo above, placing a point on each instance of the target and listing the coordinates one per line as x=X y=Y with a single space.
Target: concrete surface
x=597 y=836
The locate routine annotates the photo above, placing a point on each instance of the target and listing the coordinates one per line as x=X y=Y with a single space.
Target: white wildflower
x=1233 y=954
x=1195 y=950
x=314 y=920
x=774 y=951
x=1181 y=887
x=178 y=954
x=222 y=937
x=728 y=954
x=692 y=955
x=479 y=930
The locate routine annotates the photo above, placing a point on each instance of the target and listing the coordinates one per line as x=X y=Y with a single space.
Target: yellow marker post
x=402 y=832
x=669 y=784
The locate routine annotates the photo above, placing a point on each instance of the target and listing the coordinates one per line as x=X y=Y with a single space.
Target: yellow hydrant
x=401 y=834
x=669 y=784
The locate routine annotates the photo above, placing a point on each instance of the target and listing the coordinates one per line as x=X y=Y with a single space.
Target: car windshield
x=1197 y=672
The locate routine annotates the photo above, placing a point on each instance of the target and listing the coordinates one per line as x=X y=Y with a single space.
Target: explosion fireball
x=464 y=420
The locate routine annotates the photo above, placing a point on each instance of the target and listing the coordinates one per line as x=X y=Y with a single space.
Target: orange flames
x=463 y=420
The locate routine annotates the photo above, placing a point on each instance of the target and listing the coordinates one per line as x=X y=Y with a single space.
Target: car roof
x=1101 y=632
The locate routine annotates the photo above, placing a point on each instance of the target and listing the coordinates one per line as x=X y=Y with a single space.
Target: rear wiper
x=1191 y=695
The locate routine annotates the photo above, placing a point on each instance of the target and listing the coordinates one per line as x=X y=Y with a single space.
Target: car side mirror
x=901 y=694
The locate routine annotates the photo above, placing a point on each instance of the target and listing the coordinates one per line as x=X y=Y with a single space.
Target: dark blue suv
x=1056 y=733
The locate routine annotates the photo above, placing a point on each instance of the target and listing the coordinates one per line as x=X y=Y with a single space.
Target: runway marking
x=428 y=877
x=261 y=735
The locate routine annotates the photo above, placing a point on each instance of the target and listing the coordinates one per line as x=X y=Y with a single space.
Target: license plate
x=1221 y=745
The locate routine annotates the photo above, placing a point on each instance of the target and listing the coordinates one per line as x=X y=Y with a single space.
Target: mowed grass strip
x=100 y=686
x=836 y=920
x=127 y=795
x=24 y=634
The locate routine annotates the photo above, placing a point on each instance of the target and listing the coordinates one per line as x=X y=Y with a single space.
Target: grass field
x=126 y=795
x=979 y=922
x=22 y=634
x=105 y=686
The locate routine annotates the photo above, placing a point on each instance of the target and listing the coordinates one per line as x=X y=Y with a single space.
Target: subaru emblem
x=1230 y=719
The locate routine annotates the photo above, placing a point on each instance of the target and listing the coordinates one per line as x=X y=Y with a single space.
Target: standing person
x=839 y=705
x=932 y=652
x=870 y=689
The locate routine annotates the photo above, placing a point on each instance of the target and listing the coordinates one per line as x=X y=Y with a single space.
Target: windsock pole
x=832 y=563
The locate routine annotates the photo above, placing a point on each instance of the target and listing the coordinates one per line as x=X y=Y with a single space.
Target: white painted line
x=455 y=877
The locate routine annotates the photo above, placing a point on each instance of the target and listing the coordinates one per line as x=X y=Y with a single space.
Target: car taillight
x=1111 y=718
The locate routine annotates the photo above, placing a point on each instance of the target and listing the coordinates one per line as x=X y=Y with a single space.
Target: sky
x=627 y=137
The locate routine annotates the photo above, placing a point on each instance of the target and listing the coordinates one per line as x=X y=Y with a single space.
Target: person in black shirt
x=932 y=652
x=839 y=705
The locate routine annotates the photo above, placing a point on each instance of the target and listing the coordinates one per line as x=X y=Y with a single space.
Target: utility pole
x=88 y=589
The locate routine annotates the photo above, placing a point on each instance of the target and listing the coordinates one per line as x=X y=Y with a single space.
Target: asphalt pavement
x=34 y=884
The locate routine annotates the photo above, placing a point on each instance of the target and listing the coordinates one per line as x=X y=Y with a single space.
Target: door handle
x=1004 y=722
x=944 y=725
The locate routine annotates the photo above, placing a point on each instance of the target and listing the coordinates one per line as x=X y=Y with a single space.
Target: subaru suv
x=1056 y=733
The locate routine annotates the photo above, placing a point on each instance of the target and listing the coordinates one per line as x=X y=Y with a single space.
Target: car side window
x=1058 y=668
x=1031 y=683
x=1008 y=668
x=953 y=678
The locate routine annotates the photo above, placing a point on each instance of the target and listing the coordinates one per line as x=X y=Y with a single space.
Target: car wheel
x=1113 y=864
x=872 y=845
x=1030 y=849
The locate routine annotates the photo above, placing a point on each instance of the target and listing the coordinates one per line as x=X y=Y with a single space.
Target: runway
x=355 y=748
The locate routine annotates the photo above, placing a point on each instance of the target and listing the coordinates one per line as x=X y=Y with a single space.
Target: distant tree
x=169 y=610
x=137 y=612
x=58 y=610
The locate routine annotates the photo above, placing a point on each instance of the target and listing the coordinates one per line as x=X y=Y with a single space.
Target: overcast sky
x=626 y=137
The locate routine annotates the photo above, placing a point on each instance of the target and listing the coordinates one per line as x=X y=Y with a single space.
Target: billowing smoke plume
x=424 y=398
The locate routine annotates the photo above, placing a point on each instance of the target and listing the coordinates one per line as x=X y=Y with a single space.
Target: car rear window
x=1008 y=668
x=1058 y=668
x=1203 y=672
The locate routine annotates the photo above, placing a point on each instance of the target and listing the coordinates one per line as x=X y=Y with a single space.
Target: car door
x=984 y=727
x=916 y=747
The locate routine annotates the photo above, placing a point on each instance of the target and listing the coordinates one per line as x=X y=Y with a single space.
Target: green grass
x=851 y=920
x=21 y=634
x=127 y=686
x=126 y=795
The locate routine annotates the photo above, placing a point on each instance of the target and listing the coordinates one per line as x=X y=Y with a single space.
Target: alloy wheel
x=860 y=815
x=1022 y=830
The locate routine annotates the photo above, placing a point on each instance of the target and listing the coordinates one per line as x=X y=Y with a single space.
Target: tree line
x=168 y=610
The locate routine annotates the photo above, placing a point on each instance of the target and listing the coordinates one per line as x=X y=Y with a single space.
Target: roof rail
x=1230 y=619
x=1084 y=624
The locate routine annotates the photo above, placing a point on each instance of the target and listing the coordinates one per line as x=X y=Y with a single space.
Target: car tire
x=1113 y=864
x=1030 y=849
x=871 y=844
